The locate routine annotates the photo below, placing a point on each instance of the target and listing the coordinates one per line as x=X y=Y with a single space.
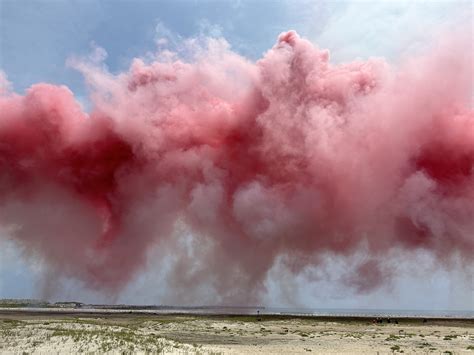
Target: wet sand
x=66 y=331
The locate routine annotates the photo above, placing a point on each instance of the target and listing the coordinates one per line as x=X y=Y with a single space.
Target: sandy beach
x=66 y=331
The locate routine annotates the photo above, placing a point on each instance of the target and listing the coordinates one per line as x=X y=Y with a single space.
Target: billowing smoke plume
x=286 y=158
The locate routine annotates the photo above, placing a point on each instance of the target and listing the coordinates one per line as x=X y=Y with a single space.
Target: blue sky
x=51 y=31
x=38 y=37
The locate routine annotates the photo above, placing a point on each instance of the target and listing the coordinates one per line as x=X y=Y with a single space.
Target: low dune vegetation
x=27 y=332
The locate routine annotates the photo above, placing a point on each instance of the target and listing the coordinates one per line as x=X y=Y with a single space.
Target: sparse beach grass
x=52 y=332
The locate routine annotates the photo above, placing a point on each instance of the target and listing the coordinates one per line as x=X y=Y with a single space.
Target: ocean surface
x=219 y=310
x=371 y=312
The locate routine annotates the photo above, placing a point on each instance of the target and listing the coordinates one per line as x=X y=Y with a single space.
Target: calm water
x=371 y=312
x=253 y=311
x=311 y=311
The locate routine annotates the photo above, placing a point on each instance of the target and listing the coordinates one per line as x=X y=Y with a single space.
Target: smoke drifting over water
x=291 y=157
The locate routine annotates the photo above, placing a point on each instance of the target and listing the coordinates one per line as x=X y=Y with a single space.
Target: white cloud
x=387 y=28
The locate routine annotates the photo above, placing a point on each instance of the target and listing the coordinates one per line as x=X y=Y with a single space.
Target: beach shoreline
x=65 y=330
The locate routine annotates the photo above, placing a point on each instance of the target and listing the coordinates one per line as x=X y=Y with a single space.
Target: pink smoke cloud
x=290 y=156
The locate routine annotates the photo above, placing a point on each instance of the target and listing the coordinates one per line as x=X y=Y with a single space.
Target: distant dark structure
x=68 y=304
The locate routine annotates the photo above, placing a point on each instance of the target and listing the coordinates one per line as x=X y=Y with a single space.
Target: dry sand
x=64 y=333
